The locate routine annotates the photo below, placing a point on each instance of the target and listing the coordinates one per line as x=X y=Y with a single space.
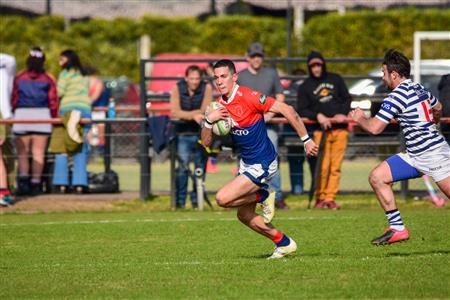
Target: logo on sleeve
x=386 y=106
x=262 y=99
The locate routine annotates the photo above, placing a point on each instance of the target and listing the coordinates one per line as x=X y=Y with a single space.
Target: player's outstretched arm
x=372 y=125
x=296 y=122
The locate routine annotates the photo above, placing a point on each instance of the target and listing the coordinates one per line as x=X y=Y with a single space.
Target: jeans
x=79 y=171
x=296 y=157
x=188 y=149
x=276 y=179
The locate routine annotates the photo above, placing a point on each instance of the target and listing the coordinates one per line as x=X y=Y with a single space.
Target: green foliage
x=370 y=34
x=233 y=34
x=171 y=34
x=112 y=45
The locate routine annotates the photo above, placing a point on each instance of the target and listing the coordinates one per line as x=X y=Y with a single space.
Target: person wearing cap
x=324 y=97
x=266 y=81
x=34 y=97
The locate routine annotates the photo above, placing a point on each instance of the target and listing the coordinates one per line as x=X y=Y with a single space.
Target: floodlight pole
x=144 y=159
x=289 y=33
x=49 y=7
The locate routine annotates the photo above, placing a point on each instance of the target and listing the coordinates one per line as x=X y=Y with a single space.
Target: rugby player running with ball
x=258 y=162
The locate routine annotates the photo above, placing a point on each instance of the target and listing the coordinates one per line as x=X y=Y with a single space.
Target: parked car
x=387 y=143
x=431 y=73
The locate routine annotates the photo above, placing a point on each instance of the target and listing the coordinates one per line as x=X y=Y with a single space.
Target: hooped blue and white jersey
x=411 y=105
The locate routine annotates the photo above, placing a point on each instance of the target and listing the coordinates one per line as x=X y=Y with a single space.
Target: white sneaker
x=268 y=208
x=281 y=252
x=6 y=200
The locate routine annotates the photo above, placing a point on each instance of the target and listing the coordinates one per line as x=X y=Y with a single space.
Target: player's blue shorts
x=259 y=174
x=434 y=163
x=400 y=169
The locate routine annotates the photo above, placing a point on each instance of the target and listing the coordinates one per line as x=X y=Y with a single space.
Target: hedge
x=111 y=45
x=370 y=34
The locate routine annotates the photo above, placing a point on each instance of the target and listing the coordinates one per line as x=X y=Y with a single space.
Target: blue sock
x=284 y=241
x=261 y=195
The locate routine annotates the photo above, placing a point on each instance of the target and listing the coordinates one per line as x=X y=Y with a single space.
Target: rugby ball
x=221 y=127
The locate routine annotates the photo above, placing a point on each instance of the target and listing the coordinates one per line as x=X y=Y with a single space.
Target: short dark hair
x=225 y=63
x=193 y=68
x=35 y=60
x=73 y=60
x=398 y=62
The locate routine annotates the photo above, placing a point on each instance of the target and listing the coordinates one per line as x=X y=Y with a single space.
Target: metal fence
x=121 y=153
x=128 y=147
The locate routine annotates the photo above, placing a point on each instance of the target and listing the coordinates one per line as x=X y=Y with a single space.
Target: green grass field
x=150 y=253
x=354 y=176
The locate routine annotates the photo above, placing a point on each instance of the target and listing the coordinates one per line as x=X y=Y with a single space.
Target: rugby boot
x=281 y=252
x=390 y=236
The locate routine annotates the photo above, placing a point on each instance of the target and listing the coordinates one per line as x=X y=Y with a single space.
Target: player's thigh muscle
x=381 y=172
x=237 y=188
x=444 y=186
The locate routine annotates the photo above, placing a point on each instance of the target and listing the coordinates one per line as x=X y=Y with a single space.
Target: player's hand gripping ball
x=221 y=127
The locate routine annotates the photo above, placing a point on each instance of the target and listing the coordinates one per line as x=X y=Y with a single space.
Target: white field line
x=80 y=222
x=299 y=257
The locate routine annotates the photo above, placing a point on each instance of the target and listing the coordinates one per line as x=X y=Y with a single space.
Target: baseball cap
x=315 y=61
x=255 y=49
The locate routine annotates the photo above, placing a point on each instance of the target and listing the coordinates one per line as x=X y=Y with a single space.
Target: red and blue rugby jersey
x=247 y=107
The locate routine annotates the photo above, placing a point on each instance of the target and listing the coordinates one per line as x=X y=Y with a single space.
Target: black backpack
x=104 y=182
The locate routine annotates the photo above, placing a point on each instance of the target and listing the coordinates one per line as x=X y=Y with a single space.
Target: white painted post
x=425 y=35
x=145 y=52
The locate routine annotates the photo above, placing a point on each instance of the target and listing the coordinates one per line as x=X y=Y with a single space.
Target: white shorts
x=260 y=174
x=434 y=163
x=32 y=113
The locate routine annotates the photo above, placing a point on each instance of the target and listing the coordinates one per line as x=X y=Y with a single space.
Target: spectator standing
x=188 y=102
x=444 y=97
x=34 y=98
x=266 y=81
x=324 y=97
x=295 y=154
x=99 y=95
x=7 y=72
x=5 y=193
x=73 y=91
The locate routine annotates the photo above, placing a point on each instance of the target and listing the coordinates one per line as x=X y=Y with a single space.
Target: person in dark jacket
x=444 y=97
x=188 y=102
x=324 y=97
x=34 y=97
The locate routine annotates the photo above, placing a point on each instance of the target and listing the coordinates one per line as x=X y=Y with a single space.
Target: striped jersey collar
x=406 y=81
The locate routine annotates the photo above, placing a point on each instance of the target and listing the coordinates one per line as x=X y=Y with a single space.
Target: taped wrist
x=305 y=139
